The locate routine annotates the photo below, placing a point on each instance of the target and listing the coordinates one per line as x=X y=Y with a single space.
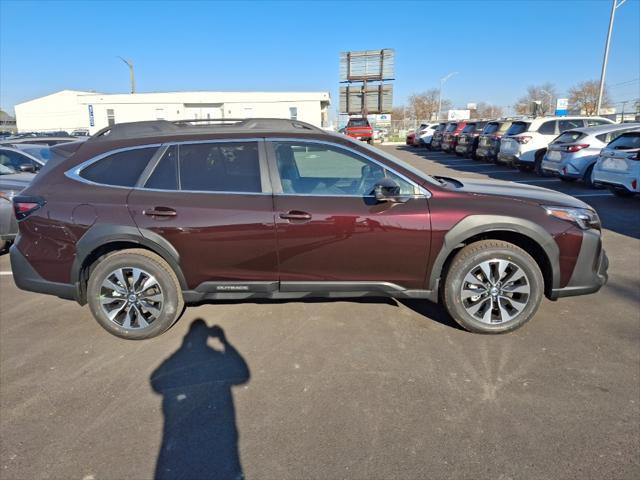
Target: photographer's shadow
x=200 y=438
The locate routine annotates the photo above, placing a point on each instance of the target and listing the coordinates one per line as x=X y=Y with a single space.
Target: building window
x=111 y=117
x=293 y=113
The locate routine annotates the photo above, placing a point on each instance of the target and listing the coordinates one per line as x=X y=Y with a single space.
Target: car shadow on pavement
x=432 y=311
x=200 y=437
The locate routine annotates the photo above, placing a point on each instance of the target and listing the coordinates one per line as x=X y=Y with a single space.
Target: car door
x=212 y=201
x=331 y=229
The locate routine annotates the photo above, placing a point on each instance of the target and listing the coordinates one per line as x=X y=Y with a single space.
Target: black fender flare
x=477 y=224
x=103 y=234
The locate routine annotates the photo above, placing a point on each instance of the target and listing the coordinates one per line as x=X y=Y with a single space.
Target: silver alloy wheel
x=495 y=291
x=131 y=298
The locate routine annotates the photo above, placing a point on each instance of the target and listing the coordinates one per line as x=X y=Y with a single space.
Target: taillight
x=634 y=184
x=497 y=137
x=577 y=147
x=522 y=139
x=23 y=205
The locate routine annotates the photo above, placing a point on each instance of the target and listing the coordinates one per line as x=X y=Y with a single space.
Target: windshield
x=491 y=127
x=41 y=153
x=358 y=122
x=569 y=136
x=518 y=127
x=626 y=141
x=451 y=127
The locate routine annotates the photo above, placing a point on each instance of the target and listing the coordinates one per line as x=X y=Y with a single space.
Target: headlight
x=582 y=217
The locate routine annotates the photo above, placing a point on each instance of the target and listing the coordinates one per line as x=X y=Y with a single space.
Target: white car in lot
x=618 y=166
x=424 y=134
x=573 y=154
x=526 y=141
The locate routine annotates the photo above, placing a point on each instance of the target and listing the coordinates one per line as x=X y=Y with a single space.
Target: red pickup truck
x=359 y=129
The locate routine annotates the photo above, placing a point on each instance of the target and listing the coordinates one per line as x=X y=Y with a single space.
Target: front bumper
x=590 y=271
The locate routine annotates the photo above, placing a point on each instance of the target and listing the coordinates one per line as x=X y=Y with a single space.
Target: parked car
x=164 y=214
x=526 y=141
x=451 y=134
x=20 y=160
x=438 y=133
x=379 y=135
x=424 y=135
x=411 y=137
x=574 y=153
x=41 y=140
x=618 y=166
x=468 y=138
x=489 y=140
x=360 y=129
x=12 y=182
x=80 y=132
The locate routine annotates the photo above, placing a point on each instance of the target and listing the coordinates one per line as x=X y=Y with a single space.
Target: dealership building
x=73 y=110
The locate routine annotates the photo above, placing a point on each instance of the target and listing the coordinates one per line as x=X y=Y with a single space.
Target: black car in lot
x=489 y=141
x=468 y=139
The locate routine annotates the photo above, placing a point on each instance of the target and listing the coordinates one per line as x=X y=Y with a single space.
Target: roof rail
x=199 y=125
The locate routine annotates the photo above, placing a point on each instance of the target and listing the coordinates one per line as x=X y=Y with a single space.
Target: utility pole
x=132 y=77
x=442 y=81
x=623 y=105
x=614 y=6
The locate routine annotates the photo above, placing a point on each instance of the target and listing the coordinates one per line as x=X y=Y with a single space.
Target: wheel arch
x=103 y=239
x=523 y=233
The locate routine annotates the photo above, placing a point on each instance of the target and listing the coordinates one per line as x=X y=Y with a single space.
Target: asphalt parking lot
x=373 y=389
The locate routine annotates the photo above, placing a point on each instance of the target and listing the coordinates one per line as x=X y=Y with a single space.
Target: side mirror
x=387 y=190
x=26 y=167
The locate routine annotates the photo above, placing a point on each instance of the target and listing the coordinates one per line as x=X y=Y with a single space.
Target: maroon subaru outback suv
x=146 y=217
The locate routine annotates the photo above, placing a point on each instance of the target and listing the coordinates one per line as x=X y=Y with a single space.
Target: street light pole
x=614 y=6
x=131 y=74
x=442 y=81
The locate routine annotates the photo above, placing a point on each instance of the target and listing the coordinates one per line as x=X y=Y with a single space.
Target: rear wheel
x=492 y=287
x=134 y=294
x=537 y=163
x=588 y=177
x=3 y=245
x=567 y=179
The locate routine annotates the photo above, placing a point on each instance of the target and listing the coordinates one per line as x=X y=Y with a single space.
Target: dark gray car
x=11 y=183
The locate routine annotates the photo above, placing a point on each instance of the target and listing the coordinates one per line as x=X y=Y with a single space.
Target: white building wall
x=70 y=110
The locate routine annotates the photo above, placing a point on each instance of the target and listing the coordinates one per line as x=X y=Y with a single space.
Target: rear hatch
x=509 y=144
x=466 y=134
x=621 y=154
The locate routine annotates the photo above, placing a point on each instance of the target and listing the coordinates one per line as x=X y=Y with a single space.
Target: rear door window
x=15 y=160
x=565 y=125
x=121 y=169
x=165 y=175
x=548 y=128
x=518 y=127
x=220 y=167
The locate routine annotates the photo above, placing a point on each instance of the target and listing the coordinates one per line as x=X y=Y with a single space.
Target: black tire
x=524 y=167
x=172 y=304
x=537 y=163
x=3 y=244
x=567 y=179
x=587 y=178
x=621 y=192
x=467 y=260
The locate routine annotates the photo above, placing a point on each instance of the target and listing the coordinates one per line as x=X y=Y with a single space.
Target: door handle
x=160 y=212
x=295 y=215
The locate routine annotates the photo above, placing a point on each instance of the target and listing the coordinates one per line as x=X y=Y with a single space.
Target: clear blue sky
x=499 y=47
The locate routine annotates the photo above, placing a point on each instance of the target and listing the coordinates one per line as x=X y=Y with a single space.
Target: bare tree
x=487 y=110
x=545 y=94
x=424 y=106
x=584 y=97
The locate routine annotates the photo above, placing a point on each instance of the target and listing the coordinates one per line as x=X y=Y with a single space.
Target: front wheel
x=492 y=287
x=134 y=294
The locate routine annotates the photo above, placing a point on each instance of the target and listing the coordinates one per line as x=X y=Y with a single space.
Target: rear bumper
x=485 y=152
x=26 y=278
x=624 y=180
x=590 y=272
x=506 y=159
x=464 y=149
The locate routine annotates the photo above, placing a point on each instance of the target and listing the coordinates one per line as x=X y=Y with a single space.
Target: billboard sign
x=367 y=65
x=377 y=99
x=562 y=106
x=458 y=115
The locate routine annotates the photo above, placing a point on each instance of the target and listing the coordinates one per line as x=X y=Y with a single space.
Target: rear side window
x=592 y=122
x=565 y=125
x=626 y=142
x=518 y=127
x=209 y=167
x=549 y=128
x=119 y=169
x=569 y=137
x=610 y=136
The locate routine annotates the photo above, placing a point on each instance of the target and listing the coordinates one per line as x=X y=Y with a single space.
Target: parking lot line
x=539 y=180
x=469 y=164
x=592 y=195
x=6 y=273
x=496 y=171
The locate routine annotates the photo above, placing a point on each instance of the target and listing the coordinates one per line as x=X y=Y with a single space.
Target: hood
x=15 y=182
x=517 y=191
